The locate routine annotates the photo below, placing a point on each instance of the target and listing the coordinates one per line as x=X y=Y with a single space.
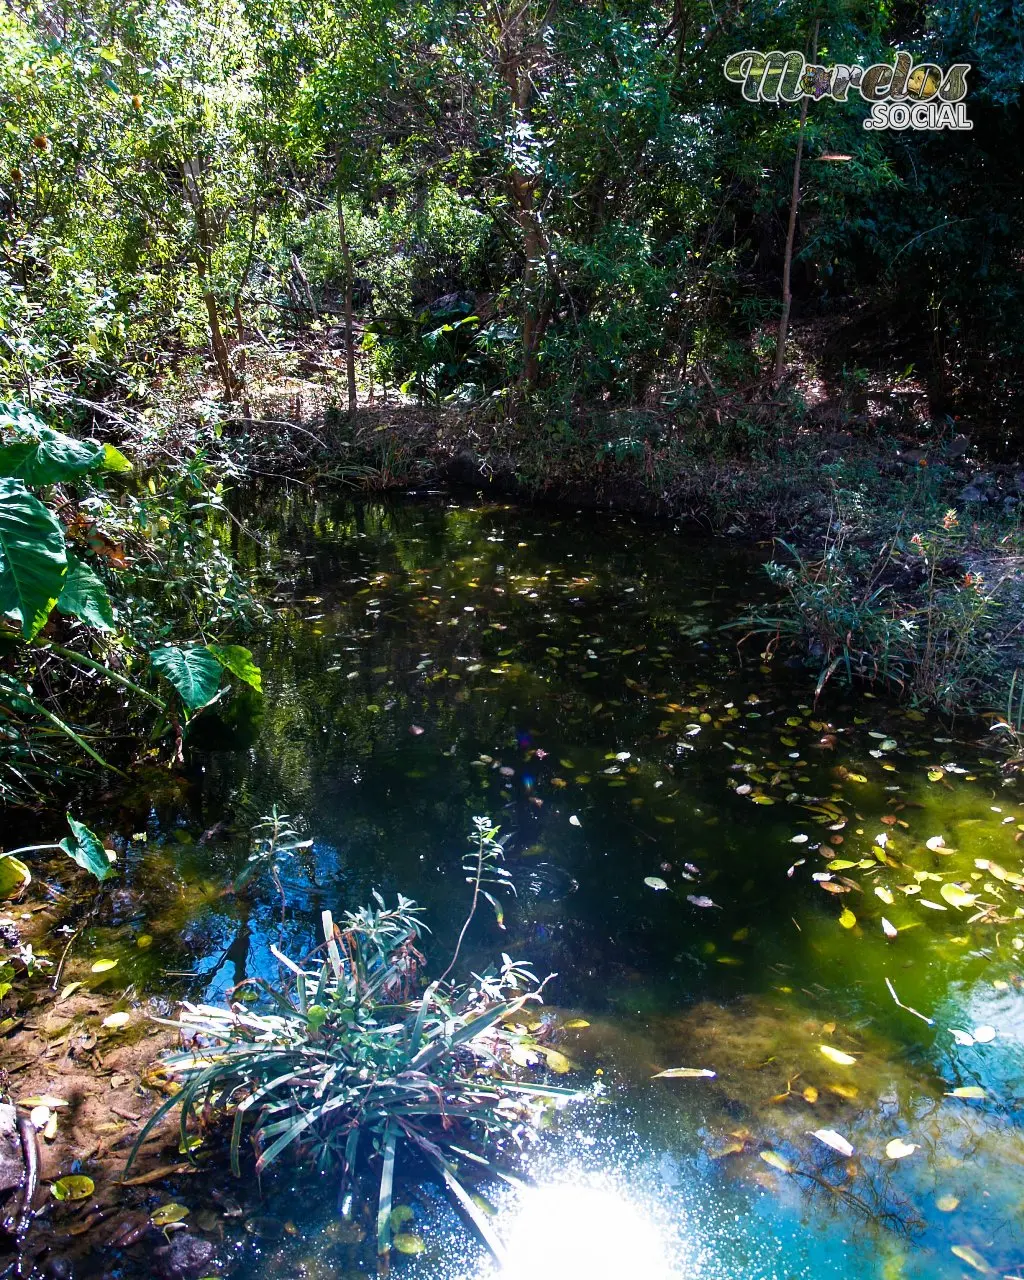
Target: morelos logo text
x=903 y=95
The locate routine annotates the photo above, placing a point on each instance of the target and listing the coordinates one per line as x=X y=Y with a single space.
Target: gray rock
x=958 y=446
x=971 y=493
x=12 y=1160
x=187 y=1257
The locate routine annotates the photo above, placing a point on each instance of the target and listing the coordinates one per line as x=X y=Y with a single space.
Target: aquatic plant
x=347 y=1063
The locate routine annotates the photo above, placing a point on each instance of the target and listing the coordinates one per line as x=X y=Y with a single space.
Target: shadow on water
x=710 y=864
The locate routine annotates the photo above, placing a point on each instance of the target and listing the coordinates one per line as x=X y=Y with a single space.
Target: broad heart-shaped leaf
x=85 y=848
x=33 y=558
x=50 y=457
x=238 y=660
x=195 y=673
x=85 y=596
x=15 y=877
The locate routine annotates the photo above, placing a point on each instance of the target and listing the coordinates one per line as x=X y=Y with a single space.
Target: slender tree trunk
x=217 y=343
x=350 y=346
x=794 y=204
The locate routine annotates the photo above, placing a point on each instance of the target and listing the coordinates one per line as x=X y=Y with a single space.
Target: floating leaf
x=75 y=1186
x=575 y=1023
x=103 y=966
x=837 y=1056
x=973 y=1259
x=933 y=906
x=967 y=1091
x=776 y=1161
x=947 y=1203
x=168 y=1213
x=558 y=1062
x=685 y=1073
x=847 y=919
x=574 y=821
x=408 y=1242
x=115 y=1020
x=699 y=900
x=810 y=1094
x=834 y=1140
x=938 y=845
x=889 y=929
x=655 y=882
x=44 y=1100
x=957 y=897
x=962 y=1037
x=69 y=991
x=884 y=894
x=984 y=1034
x=845 y=1091
x=897 y=1149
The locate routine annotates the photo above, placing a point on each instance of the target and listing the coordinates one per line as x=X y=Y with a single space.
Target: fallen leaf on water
x=984 y=1035
x=935 y=906
x=847 y=919
x=43 y=1100
x=75 y=1186
x=889 y=929
x=40 y=1116
x=577 y=1022
x=156 y=1175
x=685 y=1073
x=698 y=900
x=884 y=894
x=834 y=1140
x=938 y=845
x=799 y=840
x=810 y=1094
x=967 y=1091
x=897 y=1149
x=168 y=1213
x=115 y=1020
x=408 y=1242
x=655 y=882
x=935 y=775
x=776 y=1161
x=957 y=897
x=558 y=1062
x=837 y=1056
x=962 y=1037
x=69 y=991
x=973 y=1259
x=574 y=821
x=102 y=966
x=845 y=1091
x=946 y=1204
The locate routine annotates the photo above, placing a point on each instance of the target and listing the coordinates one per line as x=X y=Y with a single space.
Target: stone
x=12 y=1159
x=187 y=1257
x=971 y=493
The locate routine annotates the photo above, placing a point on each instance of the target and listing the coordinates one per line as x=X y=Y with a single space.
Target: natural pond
x=817 y=903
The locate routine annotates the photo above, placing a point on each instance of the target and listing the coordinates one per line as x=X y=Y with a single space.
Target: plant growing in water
x=347 y=1063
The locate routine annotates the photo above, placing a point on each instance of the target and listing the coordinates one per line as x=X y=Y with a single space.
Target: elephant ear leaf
x=85 y=848
x=84 y=596
x=33 y=558
x=238 y=660
x=195 y=673
x=50 y=458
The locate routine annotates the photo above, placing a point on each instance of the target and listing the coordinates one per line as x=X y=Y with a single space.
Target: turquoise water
x=669 y=795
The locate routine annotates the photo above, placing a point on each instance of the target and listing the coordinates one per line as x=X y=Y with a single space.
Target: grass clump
x=349 y=1060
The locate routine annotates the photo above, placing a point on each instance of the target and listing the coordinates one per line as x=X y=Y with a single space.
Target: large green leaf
x=85 y=596
x=238 y=660
x=50 y=458
x=85 y=847
x=195 y=673
x=33 y=558
x=15 y=877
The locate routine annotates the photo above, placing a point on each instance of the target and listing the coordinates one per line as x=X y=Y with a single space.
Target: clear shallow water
x=432 y=662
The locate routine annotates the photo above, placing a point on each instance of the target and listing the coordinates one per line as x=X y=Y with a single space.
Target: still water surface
x=669 y=797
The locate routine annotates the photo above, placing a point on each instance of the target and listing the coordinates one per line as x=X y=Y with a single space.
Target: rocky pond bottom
x=810 y=914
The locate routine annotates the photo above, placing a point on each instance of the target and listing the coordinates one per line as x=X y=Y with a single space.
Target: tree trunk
x=794 y=204
x=350 y=347
x=217 y=343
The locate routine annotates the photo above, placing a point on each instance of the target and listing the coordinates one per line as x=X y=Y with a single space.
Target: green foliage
x=347 y=1061
x=84 y=847
x=194 y=673
x=33 y=558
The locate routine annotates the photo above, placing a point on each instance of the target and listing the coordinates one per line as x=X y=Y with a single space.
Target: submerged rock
x=187 y=1257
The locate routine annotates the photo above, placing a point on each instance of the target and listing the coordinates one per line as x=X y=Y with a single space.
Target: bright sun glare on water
x=580 y=1231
